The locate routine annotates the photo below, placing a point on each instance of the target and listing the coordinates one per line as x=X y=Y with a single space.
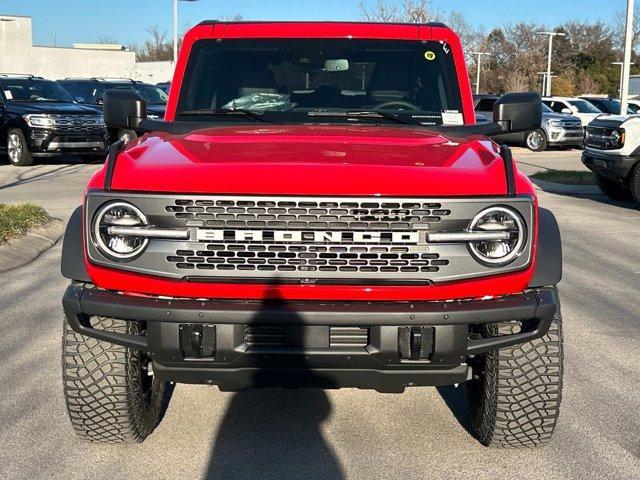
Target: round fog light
x=113 y=244
x=503 y=251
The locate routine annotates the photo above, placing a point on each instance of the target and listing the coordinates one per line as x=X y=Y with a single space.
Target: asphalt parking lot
x=350 y=434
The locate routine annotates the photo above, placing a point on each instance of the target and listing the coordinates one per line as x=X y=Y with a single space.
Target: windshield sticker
x=429 y=55
x=452 y=118
x=8 y=94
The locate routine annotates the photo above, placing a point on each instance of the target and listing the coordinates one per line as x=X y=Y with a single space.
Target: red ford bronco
x=317 y=209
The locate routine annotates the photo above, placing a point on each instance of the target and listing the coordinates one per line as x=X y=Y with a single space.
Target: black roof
x=102 y=79
x=19 y=75
x=215 y=22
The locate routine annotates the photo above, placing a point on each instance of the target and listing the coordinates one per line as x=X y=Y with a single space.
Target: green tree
x=563 y=86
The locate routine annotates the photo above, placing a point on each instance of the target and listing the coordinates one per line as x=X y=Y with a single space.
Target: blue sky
x=85 y=21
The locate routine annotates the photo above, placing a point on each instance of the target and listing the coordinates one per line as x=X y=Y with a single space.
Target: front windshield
x=584 y=107
x=152 y=94
x=612 y=106
x=294 y=79
x=34 y=90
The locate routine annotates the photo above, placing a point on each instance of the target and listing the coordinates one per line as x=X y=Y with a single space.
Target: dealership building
x=18 y=54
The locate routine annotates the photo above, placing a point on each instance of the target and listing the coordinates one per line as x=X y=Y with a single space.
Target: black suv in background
x=91 y=90
x=39 y=117
x=606 y=104
x=164 y=86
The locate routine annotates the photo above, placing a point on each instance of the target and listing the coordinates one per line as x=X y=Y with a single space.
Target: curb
x=25 y=249
x=560 y=188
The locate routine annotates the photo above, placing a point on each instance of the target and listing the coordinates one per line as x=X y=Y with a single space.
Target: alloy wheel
x=534 y=140
x=14 y=147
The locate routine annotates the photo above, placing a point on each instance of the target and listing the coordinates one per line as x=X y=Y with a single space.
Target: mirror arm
x=504 y=126
x=114 y=151
x=147 y=125
x=509 y=171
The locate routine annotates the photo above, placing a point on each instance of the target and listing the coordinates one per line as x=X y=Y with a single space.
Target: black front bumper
x=386 y=346
x=616 y=167
x=46 y=142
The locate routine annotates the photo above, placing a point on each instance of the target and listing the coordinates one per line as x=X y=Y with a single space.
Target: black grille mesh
x=306 y=214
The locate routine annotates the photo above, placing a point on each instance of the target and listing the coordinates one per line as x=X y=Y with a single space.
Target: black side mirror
x=123 y=109
x=518 y=112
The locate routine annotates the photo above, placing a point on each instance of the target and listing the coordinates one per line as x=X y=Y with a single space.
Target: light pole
x=175 y=28
x=621 y=75
x=626 y=63
x=551 y=35
x=479 y=63
x=544 y=83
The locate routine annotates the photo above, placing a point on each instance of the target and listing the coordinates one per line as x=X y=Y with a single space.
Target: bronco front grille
x=303 y=239
x=345 y=256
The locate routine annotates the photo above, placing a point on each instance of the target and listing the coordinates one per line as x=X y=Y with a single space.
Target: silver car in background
x=556 y=130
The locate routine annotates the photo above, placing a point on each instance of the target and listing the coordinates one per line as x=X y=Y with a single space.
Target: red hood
x=311 y=160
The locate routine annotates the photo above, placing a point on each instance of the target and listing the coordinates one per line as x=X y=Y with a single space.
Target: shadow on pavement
x=275 y=433
x=456 y=400
x=63 y=166
x=599 y=198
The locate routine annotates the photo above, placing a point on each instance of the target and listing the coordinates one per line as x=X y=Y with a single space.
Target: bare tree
x=472 y=38
x=581 y=59
x=516 y=81
x=107 y=40
x=586 y=85
x=156 y=48
x=620 y=25
x=411 y=11
x=419 y=11
x=381 y=11
x=233 y=18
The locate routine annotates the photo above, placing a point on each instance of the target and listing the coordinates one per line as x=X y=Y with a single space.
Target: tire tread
x=522 y=390
x=103 y=399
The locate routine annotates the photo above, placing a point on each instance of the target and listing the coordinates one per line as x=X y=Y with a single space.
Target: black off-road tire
x=634 y=183
x=614 y=190
x=515 y=393
x=110 y=396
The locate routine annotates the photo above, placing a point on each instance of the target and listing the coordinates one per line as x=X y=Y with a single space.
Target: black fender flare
x=548 y=269
x=73 y=265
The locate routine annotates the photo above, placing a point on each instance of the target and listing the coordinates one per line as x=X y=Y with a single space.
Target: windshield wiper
x=44 y=100
x=366 y=114
x=227 y=111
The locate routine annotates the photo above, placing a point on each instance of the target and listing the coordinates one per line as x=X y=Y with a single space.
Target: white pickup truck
x=613 y=154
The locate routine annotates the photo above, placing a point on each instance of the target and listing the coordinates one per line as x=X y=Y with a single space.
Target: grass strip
x=18 y=219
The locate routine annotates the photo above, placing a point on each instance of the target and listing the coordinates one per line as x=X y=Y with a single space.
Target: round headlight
x=615 y=136
x=504 y=251
x=112 y=244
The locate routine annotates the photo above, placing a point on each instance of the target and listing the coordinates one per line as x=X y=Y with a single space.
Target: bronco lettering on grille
x=301 y=236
